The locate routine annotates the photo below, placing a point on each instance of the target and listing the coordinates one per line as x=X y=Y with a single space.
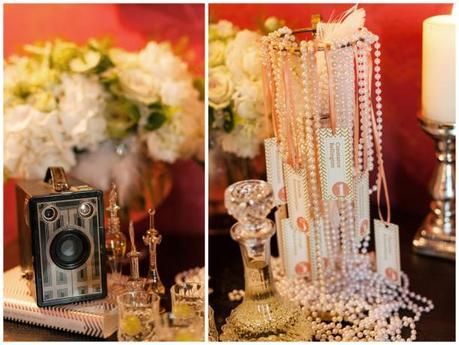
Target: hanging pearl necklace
x=347 y=300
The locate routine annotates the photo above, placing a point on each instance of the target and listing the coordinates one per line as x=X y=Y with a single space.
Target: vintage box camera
x=62 y=239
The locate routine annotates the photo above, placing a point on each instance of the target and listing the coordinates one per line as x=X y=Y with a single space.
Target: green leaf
x=211 y=117
x=155 y=120
x=122 y=117
x=228 y=120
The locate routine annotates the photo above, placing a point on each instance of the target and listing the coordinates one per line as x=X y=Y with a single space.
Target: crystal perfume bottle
x=151 y=239
x=115 y=243
x=134 y=283
x=263 y=314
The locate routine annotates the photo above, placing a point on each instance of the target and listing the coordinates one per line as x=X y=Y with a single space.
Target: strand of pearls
x=275 y=59
x=367 y=307
x=311 y=113
x=364 y=107
x=378 y=99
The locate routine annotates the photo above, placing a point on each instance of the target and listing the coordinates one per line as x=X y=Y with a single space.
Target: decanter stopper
x=134 y=282
x=250 y=202
x=151 y=239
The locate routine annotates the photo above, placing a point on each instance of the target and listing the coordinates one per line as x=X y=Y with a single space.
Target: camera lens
x=85 y=210
x=70 y=249
x=50 y=213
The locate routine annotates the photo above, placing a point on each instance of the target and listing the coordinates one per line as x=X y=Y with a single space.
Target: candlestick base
x=437 y=234
x=431 y=241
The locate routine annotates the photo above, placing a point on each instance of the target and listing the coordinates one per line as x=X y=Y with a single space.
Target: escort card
x=280 y=215
x=335 y=152
x=296 y=249
x=274 y=171
x=297 y=198
x=362 y=205
x=387 y=250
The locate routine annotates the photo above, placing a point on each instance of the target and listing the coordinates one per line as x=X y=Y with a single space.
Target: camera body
x=61 y=236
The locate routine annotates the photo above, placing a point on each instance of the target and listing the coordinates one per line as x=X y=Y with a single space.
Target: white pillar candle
x=439 y=69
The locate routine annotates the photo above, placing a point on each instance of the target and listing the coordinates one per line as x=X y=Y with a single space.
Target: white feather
x=104 y=166
x=95 y=167
x=346 y=25
x=127 y=173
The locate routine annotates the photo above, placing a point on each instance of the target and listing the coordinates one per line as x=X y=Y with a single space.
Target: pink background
x=130 y=27
x=408 y=152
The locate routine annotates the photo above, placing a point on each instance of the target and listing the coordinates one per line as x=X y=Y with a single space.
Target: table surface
x=176 y=253
x=431 y=277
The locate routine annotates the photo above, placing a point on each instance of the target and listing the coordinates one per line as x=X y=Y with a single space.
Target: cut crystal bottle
x=263 y=314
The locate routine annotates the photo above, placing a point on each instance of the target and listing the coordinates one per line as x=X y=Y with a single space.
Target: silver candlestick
x=437 y=234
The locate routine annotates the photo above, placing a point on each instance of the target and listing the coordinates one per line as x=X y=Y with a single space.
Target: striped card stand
x=95 y=318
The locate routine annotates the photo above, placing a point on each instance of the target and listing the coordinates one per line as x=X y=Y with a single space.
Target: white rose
x=138 y=85
x=220 y=87
x=222 y=30
x=160 y=61
x=248 y=99
x=122 y=58
x=246 y=138
x=175 y=93
x=242 y=56
x=217 y=50
x=182 y=136
x=242 y=141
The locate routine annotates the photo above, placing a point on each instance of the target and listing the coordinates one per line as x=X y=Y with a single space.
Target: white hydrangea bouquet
x=99 y=112
x=236 y=111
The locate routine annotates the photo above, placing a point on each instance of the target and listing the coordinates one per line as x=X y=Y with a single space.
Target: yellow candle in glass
x=439 y=68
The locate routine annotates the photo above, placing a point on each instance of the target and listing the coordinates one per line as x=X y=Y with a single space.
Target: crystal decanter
x=152 y=238
x=263 y=314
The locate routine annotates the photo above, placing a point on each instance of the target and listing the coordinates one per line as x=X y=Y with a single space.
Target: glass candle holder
x=187 y=300
x=137 y=313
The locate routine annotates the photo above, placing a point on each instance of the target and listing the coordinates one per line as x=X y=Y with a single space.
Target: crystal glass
x=115 y=246
x=170 y=328
x=263 y=314
x=137 y=312
x=187 y=300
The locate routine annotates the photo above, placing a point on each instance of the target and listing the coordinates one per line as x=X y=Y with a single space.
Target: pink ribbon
x=290 y=113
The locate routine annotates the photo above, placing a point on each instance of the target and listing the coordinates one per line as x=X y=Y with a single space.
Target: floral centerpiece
x=237 y=120
x=99 y=112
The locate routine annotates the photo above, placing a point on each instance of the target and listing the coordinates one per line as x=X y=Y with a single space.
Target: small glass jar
x=137 y=313
x=187 y=300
